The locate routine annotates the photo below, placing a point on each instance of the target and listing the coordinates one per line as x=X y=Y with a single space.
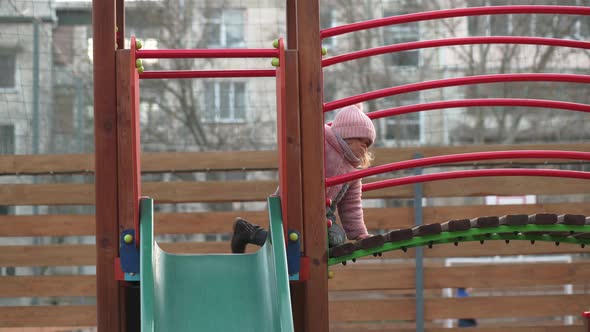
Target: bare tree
x=374 y=73
x=509 y=124
x=178 y=113
x=480 y=124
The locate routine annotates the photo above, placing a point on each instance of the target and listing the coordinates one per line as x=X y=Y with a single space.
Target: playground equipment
x=215 y=292
x=540 y=227
x=171 y=293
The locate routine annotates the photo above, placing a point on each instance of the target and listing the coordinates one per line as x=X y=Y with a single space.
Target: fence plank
x=84 y=254
x=44 y=316
x=204 y=161
x=46 y=164
x=243 y=191
x=389 y=155
x=234 y=160
x=360 y=277
x=372 y=328
x=48 y=255
x=356 y=327
x=55 y=285
x=367 y=277
x=345 y=311
x=441 y=308
x=220 y=222
x=47 y=225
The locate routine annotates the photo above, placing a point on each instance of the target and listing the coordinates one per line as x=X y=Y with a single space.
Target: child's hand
x=363 y=236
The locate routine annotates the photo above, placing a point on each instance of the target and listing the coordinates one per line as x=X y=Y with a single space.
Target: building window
x=492 y=25
x=225 y=28
x=538 y=25
x=560 y=26
x=582 y=29
x=403 y=128
x=6 y=147
x=328 y=20
x=330 y=89
x=225 y=101
x=65 y=104
x=402 y=33
x=406 y=127
x=5 y=210
x=7 y=139
x=8 y=69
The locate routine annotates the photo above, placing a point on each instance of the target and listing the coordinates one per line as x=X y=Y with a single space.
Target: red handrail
x=457 y=81
x=454 y=42
x=455 y=12
x=480 y=102
x=160 y=74
x=453 y=158
x=206 y=53
x=476 y=173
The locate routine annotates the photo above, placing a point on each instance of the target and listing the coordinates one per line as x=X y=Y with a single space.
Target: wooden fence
x=376 y=294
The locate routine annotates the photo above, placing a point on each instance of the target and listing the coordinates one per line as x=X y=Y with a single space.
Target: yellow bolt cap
x=128 y=238
x=293 y=237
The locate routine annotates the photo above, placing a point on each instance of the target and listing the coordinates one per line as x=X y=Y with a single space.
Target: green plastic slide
x=217 y=292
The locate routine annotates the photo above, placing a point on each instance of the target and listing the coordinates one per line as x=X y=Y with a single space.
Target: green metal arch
x=558 y=233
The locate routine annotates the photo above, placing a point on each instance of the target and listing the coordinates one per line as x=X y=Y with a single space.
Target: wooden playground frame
x=117 y=159
x=116 y=197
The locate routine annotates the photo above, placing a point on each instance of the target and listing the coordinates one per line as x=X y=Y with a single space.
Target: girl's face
x=358 y=145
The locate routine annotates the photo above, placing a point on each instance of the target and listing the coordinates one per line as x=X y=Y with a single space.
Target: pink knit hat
x=351 y=122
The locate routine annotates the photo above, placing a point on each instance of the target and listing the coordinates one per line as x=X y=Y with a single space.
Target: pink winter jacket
x=350 y=208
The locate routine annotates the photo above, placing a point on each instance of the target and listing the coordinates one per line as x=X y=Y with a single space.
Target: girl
x=347 y=144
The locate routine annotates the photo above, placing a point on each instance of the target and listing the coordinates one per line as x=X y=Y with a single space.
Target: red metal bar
x=479 y=102
x=476 y=173
x=456 y=12
x=207 y=53
x=461 y=157
x=454 y=42
x=162 y=74
x=457 y=81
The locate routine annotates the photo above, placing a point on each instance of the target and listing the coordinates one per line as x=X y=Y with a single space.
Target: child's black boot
x=244 y=233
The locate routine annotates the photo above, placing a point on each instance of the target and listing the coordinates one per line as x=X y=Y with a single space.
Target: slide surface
x=216 y=292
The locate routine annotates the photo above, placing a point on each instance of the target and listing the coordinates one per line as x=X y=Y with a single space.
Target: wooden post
x=291 y=168
x=120 y=17
x=312 y=295
x=108 y=306
x=292 y=24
